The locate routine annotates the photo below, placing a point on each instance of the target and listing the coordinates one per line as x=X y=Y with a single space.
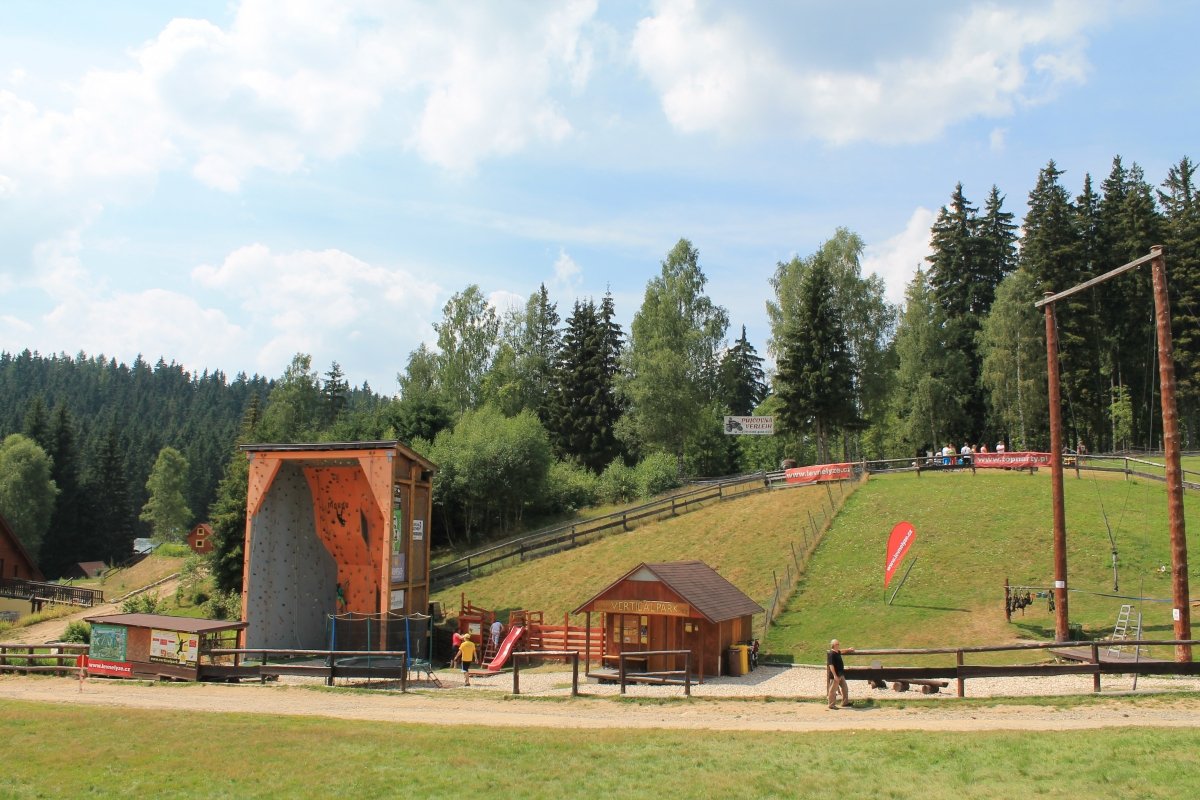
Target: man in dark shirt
x=837 y=673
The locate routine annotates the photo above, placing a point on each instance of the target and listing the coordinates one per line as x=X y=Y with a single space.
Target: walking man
x=837 y=674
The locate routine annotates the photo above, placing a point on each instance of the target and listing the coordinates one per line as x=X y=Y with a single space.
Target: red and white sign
x=119 y=669
x=898 y=544
x=1023 y=460
x=819 y=472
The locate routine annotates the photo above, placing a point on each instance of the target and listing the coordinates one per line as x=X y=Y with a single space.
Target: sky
x=226 y=184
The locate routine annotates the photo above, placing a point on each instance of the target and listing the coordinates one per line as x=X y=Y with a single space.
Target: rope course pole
x=1061 y=624
x=1181 y=613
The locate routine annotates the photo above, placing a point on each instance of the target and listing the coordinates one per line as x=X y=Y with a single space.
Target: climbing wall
x=291 y=579
x=351 y=526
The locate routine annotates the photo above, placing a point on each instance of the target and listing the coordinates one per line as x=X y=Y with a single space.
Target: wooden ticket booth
x=155 y=646
x=677 y=605
x=335 y=530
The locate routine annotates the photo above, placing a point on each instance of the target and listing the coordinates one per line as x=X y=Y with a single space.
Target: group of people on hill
x=965 y=455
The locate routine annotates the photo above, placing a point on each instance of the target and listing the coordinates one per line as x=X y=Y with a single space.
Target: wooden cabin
x=334 y=529
x=200 y=538
x=155 y=646
x=678 y=605
x=15 y=560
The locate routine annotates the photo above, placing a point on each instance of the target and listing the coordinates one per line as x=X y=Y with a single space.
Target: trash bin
x=739 y=659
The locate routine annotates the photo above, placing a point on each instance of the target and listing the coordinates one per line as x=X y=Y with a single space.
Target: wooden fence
x=40 y=592
x=566 y=637
x=25 y=659
x=263 y=664
x=960 y=672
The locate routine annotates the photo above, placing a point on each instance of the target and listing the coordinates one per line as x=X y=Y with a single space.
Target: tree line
x=534 y=411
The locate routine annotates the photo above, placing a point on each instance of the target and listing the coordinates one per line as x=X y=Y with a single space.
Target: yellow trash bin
x=739 y=659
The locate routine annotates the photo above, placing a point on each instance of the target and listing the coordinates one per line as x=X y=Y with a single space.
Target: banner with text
x=1011 y=460
x=750 y=426
x=899 y=541
x=819 y=472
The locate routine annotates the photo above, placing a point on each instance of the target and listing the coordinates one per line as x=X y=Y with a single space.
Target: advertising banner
x=174 y=647
x=750 y=426
x=108 y=642
x=819 y=472
x=899 y=541
x=118 y=669
x=1011 y=460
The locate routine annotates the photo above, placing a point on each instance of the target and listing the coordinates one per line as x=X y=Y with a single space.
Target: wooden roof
x=696 y=583
x=167 y=622
x=319 y=450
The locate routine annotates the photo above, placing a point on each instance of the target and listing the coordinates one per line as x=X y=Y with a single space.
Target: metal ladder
x=1120 y=630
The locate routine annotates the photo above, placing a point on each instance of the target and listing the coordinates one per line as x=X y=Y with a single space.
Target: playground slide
x=506 y=648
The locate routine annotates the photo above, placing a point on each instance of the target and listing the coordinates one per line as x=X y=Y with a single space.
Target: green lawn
x=62 y=751
x=973 y=531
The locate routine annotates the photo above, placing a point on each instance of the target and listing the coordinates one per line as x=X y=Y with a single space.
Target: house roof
x=7 y=531
x=166 y=622
x=92 y=567
x=701 y=586
x=328 y=448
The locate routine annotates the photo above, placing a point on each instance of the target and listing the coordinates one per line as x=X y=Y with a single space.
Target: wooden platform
x=1085 y=654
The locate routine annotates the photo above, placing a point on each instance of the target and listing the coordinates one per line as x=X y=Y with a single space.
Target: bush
x=173 y=550
x=78 y=631
x=657 y=473
x=618 y=483
x=142 y=604
x=224 y=605
x=570 y=487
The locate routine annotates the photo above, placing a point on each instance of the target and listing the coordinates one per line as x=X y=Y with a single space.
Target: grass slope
x=744 y=539
x=972 y=532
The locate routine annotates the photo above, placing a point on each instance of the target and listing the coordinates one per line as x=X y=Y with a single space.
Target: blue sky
x=228 y=183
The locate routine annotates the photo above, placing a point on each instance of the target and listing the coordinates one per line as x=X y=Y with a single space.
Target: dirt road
x=476 y=708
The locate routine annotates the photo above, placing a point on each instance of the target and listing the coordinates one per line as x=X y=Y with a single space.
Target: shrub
x=142 y=604
x=657 y=473
x=570 y=487
x=224 y=605
x=173 y=550
x=78 y=631
x=618 y=483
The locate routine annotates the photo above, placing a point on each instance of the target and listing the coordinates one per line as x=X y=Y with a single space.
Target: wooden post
x=621 y=669
x=575 y=674
x=687 y=673
x=1181 y=612
x=1061 y=619
x=1096 y=662
x=516 y=673
x=962 y=682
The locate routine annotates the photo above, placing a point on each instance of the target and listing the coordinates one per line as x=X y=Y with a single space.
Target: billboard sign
x=750 y=426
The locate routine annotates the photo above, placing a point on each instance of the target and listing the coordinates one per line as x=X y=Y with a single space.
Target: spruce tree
x=1181 y=239
x=742 y=381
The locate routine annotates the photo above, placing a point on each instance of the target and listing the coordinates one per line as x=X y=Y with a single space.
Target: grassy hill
x=744 y=539
x=972 y=532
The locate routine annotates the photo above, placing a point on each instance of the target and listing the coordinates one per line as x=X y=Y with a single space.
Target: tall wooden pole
x=1180 y=613
x=1061 y=628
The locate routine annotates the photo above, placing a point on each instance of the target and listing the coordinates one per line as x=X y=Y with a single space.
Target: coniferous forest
x=544 y=409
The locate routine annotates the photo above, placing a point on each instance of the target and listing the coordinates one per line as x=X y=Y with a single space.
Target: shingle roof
x=699 y=585
x=166 y=622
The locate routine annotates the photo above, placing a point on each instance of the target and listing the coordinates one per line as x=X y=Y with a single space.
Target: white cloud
x=896 y=260
x=311 y=301
x=997 y=139
x=722 y=71
x=504 y=301
x=288 y=84
x=567 y=273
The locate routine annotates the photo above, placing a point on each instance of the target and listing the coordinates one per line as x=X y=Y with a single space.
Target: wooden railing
x=25 y=659
x=566 y=638
x=962 y=672
x=570 y=655
x=45 y=592
x=272 y=663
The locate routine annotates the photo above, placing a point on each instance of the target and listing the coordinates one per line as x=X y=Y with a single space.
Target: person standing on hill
x=837 y=674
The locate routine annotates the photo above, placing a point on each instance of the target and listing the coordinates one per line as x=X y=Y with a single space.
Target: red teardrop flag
x=898 y=544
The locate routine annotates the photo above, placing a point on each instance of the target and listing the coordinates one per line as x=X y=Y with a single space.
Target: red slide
x=506 y=648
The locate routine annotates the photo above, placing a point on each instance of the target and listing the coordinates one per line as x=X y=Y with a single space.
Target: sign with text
x=819 y=472
x=899 y=541
x=174 y=647
x=659 y=607
x=118 y=669
x=108 y=642
x=1011 y=460
x=750 y=426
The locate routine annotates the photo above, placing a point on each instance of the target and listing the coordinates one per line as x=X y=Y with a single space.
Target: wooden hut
x=678 y=605
x=15 y=560
x=155 y=645
x=200 y=538
x=334 y=529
